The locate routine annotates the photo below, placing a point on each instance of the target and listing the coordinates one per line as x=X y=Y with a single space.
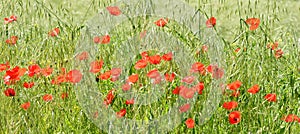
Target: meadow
x=45 y=88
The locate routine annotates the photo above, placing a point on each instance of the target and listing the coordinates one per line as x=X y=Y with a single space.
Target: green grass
x=254 y=64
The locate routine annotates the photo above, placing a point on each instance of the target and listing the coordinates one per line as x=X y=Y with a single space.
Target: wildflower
x=82 y=56
x=28 y=85
x=10 y=19
x=234 y=117
x=271 y=97
x=198 y=67
x=170 y=77
x=133 y=78
x=129 y=102
x=253 y=22
x=188 y=79
x=54 y=32
x=167 y=57
x=121 y=113
x=12 y=40
x=9 y=92
x=64 y=95
x=74 y=76
x=211 y=22
x=105 y=76
x=161 y=22
x=141 y=64
x=190 y=123
x=47 y=97
x=230 y=105
x=153 y=74
x=96 y=66
x=278 y=53
x=199 y=87
x=114 y=10
x=25 y=106
x=4 y=67
x=234 y=85
x=33 y=69
x=184 y=108
x=254 y=89
x=102 y=40
x=155 y=59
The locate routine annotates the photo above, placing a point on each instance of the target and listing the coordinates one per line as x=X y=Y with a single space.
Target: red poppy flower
x=9 y=92
x=145 y=55
x=121 y=113
x=10 y=19
x=253 y=22
x=4 y=67
x=60 y=78
x=188 y=79
x=278 y=53
x=74 y=76
x=271 y=97
x=153 y=74
x=211 y=22
x=216 y=72
x=64 y=95
x=47 y=97
x=199 y=87
x=102 y=40
x=237 y=50
x=12 y=40
x=230 y=105
x=190 y=123
x=126 y=87
x=47 y=71
x=54 y=32
x=96 y=66
x=186 y=93
x=116 y=71
x=114 y=78
x=133 y=78
x=25 y=106
x=141 y=64
x=234 y=117
x=28 y=85
x=161 y=22
x=155 y=59
x=83 y=56
x=14 y=75
x=170 y=77
x=114 y=10
x=109 y=98
x=176 y=90
x=254 y=89
x=13 y=17
x=291 y=118
x=204 y=48
x=198 y=67
x=129 y=102
x=234 y=85
x=33 y=69
x=184 y=108
x=273 y=46
x=105 y=76
x=168 y=56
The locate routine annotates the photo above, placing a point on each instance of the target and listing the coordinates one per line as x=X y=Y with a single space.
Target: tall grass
x=253 y=64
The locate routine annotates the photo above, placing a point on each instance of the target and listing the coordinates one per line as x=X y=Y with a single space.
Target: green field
x=254 y=63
